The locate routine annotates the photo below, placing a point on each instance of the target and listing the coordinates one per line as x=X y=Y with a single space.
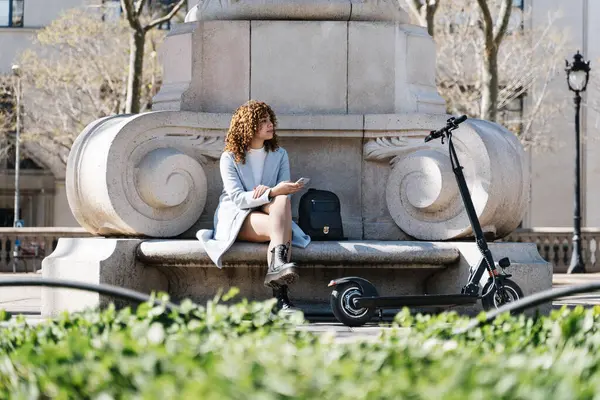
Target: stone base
x=95 y=260
x=181 y=268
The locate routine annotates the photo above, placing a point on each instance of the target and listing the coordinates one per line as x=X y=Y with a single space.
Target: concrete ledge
x=318 y=10
x=380 y=254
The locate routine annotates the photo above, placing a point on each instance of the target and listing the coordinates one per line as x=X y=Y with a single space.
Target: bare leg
x=280 y=220
x=255 y=228
x=274 y=224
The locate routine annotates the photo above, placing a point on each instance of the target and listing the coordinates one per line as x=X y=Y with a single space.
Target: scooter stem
x=488 y=260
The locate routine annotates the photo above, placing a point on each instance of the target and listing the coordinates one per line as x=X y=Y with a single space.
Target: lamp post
x=578 y=74
x=17 y=73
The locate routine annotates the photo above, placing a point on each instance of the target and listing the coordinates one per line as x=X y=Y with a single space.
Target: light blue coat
x=236 y=202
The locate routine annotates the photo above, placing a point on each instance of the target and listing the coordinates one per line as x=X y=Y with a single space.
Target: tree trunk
x=489 y=84
x=429 y=17
x=136 y=69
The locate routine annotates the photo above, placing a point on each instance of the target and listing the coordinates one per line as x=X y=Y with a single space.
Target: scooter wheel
x=343 y=308
x=509 y=293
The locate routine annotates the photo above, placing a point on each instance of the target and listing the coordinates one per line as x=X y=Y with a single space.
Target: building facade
x=553 y=172
x=43 y=200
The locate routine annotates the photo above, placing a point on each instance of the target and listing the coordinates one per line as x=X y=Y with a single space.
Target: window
x=519 y=4
x=7 y=216
x=11 y=13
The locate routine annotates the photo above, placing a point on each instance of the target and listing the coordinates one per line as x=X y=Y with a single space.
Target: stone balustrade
x=34 y=245
x=555 y=245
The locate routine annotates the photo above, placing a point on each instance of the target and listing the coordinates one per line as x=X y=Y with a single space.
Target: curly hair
x=243 y=127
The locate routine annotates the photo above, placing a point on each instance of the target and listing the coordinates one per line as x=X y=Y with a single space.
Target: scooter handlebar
x=460 y=120
x=452 y=124
x=434 y=135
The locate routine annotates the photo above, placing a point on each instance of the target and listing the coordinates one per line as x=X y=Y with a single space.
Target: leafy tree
x=75 y=73
x=7 y=115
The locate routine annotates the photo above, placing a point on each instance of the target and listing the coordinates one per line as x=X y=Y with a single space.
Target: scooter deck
x=419 y=300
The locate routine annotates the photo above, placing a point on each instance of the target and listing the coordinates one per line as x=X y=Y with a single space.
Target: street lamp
x=578 y=74
x=16 y=70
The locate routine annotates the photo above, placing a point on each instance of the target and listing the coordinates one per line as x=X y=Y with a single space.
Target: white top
x=256 y=159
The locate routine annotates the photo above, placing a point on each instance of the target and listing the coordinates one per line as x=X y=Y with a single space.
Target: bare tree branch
x=488 y=24
x=139 y=6
x=167 y=17
x=423 y=11
x=130 y=15
x=527 y=62
x=502 y=21
x=414 y=6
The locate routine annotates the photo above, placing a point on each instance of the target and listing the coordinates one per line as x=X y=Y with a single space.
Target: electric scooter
x=354 y=300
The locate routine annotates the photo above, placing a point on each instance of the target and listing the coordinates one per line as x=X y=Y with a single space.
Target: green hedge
x=242 y=352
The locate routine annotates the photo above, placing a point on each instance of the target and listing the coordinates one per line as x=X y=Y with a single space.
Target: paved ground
x=589 y=299
x=20 y=300
x=26 y=300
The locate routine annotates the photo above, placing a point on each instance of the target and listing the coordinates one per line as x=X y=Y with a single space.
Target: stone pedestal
x=353 y=87
x=300 y=67
x=96 y=261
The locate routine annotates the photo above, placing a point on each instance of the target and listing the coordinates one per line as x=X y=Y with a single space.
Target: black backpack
x=319 y=215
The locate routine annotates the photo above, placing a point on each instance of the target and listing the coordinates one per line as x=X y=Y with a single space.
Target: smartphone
x=303 y=181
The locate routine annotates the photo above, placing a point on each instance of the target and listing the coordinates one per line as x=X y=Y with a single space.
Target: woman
x=255 y=203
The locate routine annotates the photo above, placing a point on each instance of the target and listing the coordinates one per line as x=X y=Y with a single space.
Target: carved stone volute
x=422 y=195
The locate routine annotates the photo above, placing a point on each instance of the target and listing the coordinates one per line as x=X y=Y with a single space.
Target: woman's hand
x=259 y=191
x=285 y=188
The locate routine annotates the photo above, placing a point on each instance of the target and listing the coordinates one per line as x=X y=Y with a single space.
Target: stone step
x=400 y=267
x=388 y=254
